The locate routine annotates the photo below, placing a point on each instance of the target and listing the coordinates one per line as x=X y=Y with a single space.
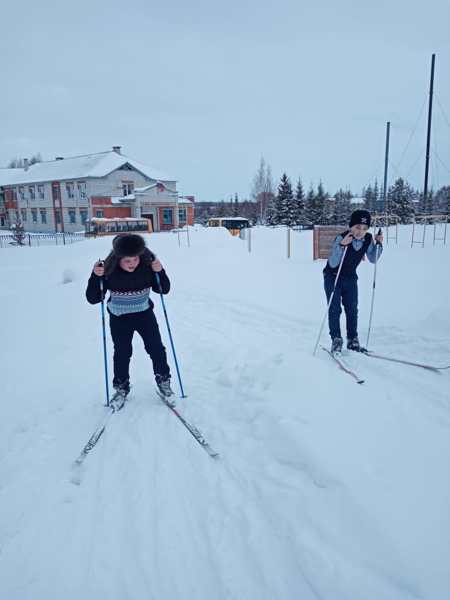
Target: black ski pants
x=122 y=330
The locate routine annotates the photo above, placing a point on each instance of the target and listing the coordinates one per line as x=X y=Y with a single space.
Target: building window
x=58 y=216
x=72 y=215
x=70 y=189
x=17 y=215
x=83 y=216
x=81 y=186
x=24 y=214
x=167 y=216
x=34 y=214
x=99 y=214
x=127 y=187
x=32 y=191
x=22 y=192
x=43 y=215
x=182 y=215
x=41 y=192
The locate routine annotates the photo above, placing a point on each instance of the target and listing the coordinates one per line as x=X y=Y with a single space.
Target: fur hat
x=360 y=217
x=128 y=244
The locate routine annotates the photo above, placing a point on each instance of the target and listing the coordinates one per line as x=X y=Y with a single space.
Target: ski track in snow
x=283 y=513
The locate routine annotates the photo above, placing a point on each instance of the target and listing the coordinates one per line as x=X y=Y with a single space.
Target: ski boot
x=353 y=344
x=164 y=389
x=122 y=389
x=336 y=345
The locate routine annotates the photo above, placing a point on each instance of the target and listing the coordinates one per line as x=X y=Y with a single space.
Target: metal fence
x=41 y=239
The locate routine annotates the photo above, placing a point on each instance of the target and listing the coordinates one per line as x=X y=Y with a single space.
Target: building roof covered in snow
x=77 y=167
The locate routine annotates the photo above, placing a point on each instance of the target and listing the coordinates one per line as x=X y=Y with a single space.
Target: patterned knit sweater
x=129 y=292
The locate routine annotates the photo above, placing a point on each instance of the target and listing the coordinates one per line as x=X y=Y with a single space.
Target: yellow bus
x=233 y=224
x=113 y=226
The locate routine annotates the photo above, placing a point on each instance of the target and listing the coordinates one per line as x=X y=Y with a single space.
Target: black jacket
x=123 y=281
x=352 y=258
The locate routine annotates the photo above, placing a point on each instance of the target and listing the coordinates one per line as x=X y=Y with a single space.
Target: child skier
x=359 y=242
x=129 y=273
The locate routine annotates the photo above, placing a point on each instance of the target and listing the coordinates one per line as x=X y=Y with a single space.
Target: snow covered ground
x=324 y=489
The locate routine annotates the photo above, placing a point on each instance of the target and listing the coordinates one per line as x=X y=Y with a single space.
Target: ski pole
x=373 y=289
x=330 y=300
x=158 y=281
x=105 y=356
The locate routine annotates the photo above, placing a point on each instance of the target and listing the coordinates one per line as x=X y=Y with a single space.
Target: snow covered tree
x=442 y=200
x=285 y=203
x=400 y=197
x=311 y=216
x=300 y=216
x=18 y=232
x=19 y=163
x=342 y=207
x=324 y=207
x=369 y=198
x=376 y=198
x=271 y=213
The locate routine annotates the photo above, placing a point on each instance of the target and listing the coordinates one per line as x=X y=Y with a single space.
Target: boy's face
x=359 y=231
x=129 y=263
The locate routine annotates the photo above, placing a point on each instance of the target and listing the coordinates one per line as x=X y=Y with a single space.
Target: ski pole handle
x=379 y=233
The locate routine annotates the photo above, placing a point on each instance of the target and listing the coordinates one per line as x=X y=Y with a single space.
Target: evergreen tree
x=368 y=196
x=376 y=198
x=300 y=216
x=285 y=203
x=236 y=206
x=310 y=208
x=342 y=207
x=400 y=198
x=324 y=206
x=442 y=200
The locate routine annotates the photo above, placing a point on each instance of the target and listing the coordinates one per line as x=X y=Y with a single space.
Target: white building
x=60 y=195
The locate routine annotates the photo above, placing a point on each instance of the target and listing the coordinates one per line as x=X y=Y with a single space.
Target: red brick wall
x=109 y=210
x=190 y=215
x=162 y=226
x=100 y=200
x=116 y=211
x=9 y=199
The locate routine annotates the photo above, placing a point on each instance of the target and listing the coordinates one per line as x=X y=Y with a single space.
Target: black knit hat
x=128 y=244
x=360 y=217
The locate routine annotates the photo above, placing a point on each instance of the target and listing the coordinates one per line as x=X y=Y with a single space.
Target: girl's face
x=129 y=263
x=359 y=231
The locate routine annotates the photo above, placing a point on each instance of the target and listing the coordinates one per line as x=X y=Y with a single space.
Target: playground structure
x=435 y=221
x=386 y=221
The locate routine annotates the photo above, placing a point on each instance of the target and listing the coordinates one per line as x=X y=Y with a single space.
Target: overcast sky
x=201 y=89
